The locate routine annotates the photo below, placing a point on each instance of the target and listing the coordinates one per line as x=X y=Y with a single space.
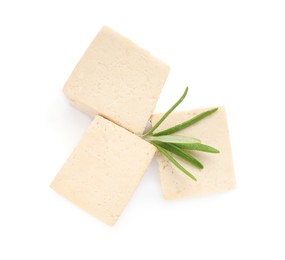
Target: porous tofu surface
x=218 y=173
x=118 y=80
x=104 y=170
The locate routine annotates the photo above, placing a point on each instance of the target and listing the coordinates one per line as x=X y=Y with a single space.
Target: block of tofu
x=118 y=80
x=104 y=170
x=217 y=175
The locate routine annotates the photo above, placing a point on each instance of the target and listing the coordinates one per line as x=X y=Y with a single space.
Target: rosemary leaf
x=198 y=147
x=166 y=114
x=172 y=160
x=183 y=155
x=187 y=123
x=173 y=139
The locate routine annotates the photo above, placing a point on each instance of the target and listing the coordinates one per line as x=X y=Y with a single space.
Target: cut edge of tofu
x=91 y=111
x=163 y=163
x=54 y=185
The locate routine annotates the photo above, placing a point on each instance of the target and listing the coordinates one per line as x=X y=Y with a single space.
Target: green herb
x=179 y=145
x=171 y=159
x=187 y=123
x=179 y=152
x=175 y=139
x=167 y=113
x=198 y=147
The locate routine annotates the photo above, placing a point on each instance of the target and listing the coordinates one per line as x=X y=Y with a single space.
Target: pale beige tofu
x=118 y=80
x=104 y=170
x=218 y=173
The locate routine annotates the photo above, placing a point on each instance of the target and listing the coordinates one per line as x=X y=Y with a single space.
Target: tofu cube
x=218 y=173
x=104 y=170
x=117 y=79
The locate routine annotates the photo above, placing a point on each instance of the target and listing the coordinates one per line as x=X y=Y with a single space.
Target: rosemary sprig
x=198 y=147
x=184 y=155
x=187 y=123
x=178 y=145
x=175 y=139
x=171 y=159
x=166 y=114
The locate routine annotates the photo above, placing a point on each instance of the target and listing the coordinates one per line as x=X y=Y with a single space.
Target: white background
x=229 y=53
